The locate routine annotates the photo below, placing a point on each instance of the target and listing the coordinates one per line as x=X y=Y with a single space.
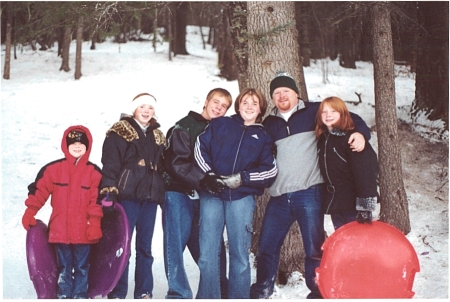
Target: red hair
x=345 y=122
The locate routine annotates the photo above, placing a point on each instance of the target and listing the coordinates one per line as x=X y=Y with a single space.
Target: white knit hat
x=143 y=99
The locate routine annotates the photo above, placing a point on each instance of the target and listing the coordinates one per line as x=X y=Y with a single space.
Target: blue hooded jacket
x=227 y=146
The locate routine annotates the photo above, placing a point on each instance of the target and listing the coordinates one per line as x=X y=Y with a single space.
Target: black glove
x=364 y=217
x=108 y=202
x=212 y=183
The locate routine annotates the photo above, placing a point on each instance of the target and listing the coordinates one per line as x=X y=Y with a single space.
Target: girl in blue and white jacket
x=239 y=151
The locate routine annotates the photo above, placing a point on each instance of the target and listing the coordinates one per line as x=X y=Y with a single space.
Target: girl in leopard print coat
x=131 y=156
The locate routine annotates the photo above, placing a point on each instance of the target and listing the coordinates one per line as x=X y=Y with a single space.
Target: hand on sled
x=364 y=217
x=28 y=219
x=108 y=202
x=94 y=230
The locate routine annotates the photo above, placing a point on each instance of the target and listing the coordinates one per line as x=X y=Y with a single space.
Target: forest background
x=323 y=29
x=316 y=31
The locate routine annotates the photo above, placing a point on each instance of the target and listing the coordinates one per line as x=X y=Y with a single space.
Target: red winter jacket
x=74 y=189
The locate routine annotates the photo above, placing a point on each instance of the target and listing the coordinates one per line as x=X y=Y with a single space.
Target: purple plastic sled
x=41 y=260
x=109 y=256
x=367 y=261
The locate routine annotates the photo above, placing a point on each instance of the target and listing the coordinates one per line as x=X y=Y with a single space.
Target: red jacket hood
x=85 y=157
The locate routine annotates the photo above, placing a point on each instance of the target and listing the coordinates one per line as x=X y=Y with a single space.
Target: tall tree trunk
x=302 y=83
x=211 y=34
x=394 y=204
x=366 y=48
x=60 y=39
x=238 y=27
x=169 y=19
x=324 y=34
x=9 y=18
x=66 y=49
x=155 y=29
x=302 y=21
x=202 y=36
x=347 y=43
x=216 y=39
x=227 y=61
x=94 y=37
x=280 y=52
x=432 y=60
x=79 y=48
x=180 y=28
x=271 y=50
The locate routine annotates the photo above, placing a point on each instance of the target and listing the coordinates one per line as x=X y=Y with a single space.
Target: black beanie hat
x=282 y=79
x=77 y=136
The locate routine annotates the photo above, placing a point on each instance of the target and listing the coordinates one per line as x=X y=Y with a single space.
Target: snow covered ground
x=39 y=102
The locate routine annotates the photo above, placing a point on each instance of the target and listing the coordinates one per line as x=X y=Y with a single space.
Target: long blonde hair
x=345 y=122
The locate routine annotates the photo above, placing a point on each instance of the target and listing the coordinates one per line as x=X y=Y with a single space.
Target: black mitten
x=212 y=183
x=364 y=217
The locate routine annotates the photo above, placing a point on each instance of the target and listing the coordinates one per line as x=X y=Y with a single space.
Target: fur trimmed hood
x=125 y=130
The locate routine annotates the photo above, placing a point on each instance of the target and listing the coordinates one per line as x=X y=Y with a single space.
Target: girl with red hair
x=350 y=177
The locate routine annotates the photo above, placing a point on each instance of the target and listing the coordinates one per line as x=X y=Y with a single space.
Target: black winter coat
x=130 y=161
x=182 y=173
x=351 y=177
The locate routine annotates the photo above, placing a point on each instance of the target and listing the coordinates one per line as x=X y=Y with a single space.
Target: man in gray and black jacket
x=297 y=193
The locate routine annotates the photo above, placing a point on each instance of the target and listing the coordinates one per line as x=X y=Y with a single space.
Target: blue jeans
x=73 y=267
x=181 y=228
x=341 y=218
x=237 y=217
x=304 y=207
x=141 y=215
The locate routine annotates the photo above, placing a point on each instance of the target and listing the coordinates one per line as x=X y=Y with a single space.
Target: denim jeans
x=236 y=216
x=341 y=218
x=181 y=228
x=304 y=207
x=141 y=215
x=73 y=267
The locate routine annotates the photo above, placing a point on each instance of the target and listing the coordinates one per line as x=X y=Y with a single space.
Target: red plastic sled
x=367 y=261
x=108 y=258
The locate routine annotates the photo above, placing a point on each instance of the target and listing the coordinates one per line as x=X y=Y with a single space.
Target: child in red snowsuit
x=75 y=220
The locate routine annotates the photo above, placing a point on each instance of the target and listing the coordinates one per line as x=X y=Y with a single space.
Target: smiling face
x=144 y=113
x=330 y=116
x=285 y=99
x=216 y=106
x=249 y=109
x=77 y=149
